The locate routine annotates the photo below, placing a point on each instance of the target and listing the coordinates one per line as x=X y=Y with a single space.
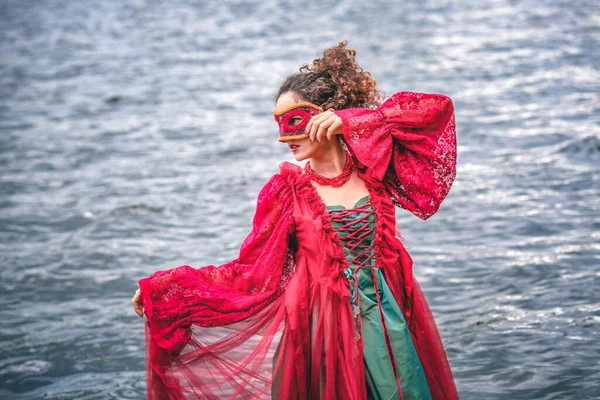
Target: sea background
x=135 y=136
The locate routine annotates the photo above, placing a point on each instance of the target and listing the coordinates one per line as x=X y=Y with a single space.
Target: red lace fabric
x=208 y=328
x=277 y=322
x=409 y=143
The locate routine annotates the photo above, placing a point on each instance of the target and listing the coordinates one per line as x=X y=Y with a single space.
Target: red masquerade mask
x=293 y=120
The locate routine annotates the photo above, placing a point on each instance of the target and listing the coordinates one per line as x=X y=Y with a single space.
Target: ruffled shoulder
x=290 y=173
x=303 y=187
x=288 y=169
x=318 y=210
x=279 y=186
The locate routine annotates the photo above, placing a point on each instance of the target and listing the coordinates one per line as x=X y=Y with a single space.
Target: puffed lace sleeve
x=209 y=296
x=409 y=144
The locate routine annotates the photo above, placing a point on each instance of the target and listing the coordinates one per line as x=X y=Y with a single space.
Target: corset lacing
x=352 y=232
x=355 y=230
x=353 y=241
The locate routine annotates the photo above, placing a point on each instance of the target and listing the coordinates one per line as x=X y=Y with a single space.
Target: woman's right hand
x=324 y=125
x=138 y=307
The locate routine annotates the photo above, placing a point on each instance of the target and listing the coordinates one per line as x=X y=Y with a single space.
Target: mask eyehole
x=296 y=121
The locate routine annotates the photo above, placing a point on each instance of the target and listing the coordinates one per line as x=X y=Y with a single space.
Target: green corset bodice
x=356 y=229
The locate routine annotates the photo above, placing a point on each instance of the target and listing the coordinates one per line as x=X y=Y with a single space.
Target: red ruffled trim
x=307 y=191
x=337 y=339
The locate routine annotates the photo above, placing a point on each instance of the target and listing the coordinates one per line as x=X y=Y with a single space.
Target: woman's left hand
x=138 y=306
x=325 y=124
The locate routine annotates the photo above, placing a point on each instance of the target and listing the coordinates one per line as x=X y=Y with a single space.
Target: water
x=135 y=136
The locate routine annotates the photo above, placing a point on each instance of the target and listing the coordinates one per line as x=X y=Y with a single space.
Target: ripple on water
x=136 y=137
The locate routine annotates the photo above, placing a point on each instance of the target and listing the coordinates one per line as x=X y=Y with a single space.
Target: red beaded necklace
x=336 y=181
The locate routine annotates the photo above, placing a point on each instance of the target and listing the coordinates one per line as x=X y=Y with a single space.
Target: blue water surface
x=135 y=136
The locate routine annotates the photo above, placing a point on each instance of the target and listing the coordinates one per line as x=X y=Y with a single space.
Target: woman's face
x=301 y=148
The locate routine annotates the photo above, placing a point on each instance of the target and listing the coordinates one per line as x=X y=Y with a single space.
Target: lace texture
x=209 y=329
x=409 y=143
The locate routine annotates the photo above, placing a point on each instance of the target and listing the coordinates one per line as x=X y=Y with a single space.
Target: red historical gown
x=279 y=315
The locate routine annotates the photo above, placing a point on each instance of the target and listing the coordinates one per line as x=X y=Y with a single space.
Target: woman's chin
x=299 y=156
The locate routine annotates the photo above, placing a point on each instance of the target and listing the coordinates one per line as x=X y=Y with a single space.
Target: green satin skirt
x=379 y=374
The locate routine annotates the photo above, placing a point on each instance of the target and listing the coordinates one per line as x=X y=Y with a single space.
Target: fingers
x=309 y=126
x=318 y=125
x=136 y=301
x=313 y=125
x=323 y=126
x=334 y=128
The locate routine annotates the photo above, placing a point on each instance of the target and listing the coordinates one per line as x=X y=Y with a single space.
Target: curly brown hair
x=334 y=81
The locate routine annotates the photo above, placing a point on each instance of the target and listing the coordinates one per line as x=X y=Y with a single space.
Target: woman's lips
x=294 y=147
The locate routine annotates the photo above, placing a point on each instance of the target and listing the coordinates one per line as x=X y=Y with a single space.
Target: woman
x=321 y=302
